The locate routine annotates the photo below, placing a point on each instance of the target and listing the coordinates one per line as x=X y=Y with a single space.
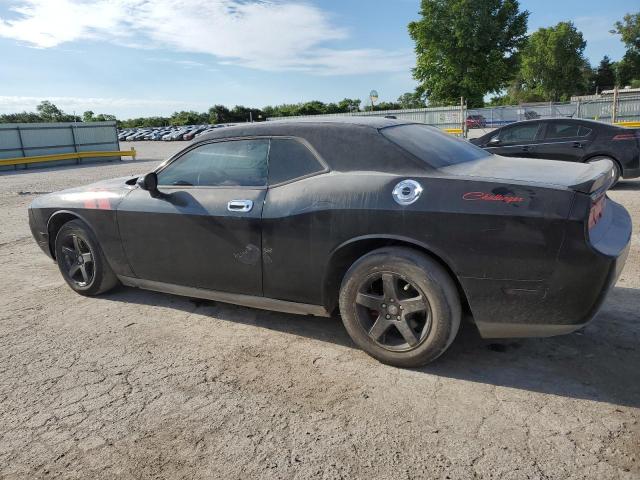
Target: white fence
x=628 y=110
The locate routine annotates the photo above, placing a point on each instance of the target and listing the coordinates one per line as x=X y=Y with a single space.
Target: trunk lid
x=580 y=177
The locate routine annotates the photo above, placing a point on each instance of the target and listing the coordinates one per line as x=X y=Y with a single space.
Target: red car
x=476 y=121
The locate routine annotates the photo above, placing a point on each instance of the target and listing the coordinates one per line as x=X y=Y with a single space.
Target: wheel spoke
x=407 y=333
x=412 y=305
x=76 y=243
x=379 y=328
x=85 y=276
x=370 y=301
x=73 y=269
x=86 y=257
x=389 y=286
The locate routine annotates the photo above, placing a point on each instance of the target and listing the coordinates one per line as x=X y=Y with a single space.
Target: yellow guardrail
x=628 y=124
x=454 y=131
x=66 y=156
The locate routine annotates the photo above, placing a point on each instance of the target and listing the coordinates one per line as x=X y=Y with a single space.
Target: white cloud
x=262 y=34
x=12 y=104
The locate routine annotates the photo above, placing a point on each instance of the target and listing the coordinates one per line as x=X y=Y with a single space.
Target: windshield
x=433 y=146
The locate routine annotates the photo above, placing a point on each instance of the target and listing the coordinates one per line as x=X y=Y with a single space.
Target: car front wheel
x=400 y=306
x=81 y=261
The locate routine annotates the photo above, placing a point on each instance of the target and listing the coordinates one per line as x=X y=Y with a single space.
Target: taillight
x=597 y=210
x=626 y=136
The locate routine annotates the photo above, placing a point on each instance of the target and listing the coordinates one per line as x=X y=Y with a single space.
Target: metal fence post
x=75 y=143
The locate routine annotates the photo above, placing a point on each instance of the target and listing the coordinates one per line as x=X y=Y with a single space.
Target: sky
x=153 y=57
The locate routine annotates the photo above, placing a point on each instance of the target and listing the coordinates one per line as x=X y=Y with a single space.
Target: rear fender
x=345 y=254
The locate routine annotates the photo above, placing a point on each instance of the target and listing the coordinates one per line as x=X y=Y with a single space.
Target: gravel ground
x=137 y=384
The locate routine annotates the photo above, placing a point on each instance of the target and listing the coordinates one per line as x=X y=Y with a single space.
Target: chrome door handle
x=240 y=205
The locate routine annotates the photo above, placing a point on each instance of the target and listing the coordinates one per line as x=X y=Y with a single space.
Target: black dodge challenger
x=568 y=139
x=397 y=226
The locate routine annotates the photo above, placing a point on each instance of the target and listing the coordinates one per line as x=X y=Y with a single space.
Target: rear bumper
x=565 y=302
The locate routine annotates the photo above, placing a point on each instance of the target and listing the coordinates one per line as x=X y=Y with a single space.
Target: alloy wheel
x=78 y=260
x=393 y=311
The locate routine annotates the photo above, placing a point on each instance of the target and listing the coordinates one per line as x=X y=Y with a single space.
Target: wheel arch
x=347 y=253
x=55 y=223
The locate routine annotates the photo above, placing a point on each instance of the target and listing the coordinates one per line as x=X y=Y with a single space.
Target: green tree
x=219 y=114
x=553 y=62
x=87 y=116
x=605 y=74
x=411 y=100
x=628 y=68
x=188 y=118
x=349 y=105
x=49 y=112
x=629 y=30
x=23 y=117
x=105 y=117
x=467 y=48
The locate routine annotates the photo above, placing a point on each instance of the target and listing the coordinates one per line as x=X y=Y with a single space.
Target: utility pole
x=614 y=107
x=463 y=120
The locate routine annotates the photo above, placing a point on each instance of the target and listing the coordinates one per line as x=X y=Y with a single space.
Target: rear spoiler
x=597 y=180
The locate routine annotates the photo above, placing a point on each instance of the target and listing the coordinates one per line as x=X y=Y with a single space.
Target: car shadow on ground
x=599 y=363
x=627 y=185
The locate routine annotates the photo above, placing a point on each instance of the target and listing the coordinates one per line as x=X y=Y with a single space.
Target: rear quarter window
x=432 y=146
x=566 y=130
x=290 y=159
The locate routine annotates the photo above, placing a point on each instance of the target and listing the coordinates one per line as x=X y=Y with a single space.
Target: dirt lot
x=143 y=385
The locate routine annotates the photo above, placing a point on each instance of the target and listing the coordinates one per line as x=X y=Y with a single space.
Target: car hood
x=580 y=177
x=103 y=194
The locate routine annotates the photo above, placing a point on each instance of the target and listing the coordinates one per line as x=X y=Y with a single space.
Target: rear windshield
x=433 y=146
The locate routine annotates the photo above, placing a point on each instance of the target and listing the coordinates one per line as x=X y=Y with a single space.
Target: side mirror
x=494 y=141
x=149 y=182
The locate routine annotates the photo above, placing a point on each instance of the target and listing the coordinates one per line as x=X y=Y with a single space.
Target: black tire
x=616 y=167
x=81 y=260
x=414 y=277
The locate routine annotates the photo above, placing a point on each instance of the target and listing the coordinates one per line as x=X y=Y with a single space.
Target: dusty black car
x=569 y=140
x=397 y=226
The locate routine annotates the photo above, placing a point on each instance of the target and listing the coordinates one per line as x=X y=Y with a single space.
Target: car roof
x=274 y=127
x=595 y=123
x=346 y=143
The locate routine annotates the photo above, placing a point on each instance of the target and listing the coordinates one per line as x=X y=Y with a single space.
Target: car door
x=517 y=140
x=294 y=226
x=564 y=140
x=203 y=228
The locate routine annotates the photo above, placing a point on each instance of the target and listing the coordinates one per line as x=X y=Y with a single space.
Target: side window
x=584 y=131
x=227 y=163
x=520 y=133
x=563 y=130
x=289 y=159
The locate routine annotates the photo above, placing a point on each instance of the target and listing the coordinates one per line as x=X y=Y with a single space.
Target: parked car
x=476 y=121
x=569 y=140
x=190 y=135
x=398 y=226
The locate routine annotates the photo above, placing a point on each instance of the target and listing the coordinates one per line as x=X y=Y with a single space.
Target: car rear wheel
x=616 y=167
x=81 y=261
x=400 y=306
